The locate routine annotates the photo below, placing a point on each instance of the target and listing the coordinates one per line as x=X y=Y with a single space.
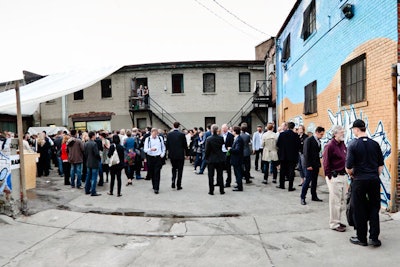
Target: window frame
x=241 y=83
x=286 y=49
x=104 y=93
x=174 y=83
x=310 y=98
x=79 y=95
x=353 y=90
x=309 y=21
x=210 y=82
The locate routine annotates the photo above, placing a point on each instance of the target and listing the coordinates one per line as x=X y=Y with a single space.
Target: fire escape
x=153 y=109
x=257 y=104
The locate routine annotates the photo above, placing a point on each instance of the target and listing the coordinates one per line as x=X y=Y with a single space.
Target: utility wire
x=239 y=19
x=221 y=18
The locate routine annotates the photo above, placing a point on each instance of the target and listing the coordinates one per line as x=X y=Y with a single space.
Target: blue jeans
x=76 y=169
x=91 y=181
x=311 y=177
x=60 y=166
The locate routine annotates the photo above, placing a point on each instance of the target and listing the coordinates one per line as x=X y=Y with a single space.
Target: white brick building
x=194 y=93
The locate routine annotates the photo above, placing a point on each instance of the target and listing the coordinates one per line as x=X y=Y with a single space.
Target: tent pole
x=24 y=203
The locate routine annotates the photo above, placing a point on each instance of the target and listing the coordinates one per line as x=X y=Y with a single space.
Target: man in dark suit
x=236 y=158
x=92 y=156
x=246 y=152
x=312 y=163
x=176 y=146
x=288 y=152
x=228 y=139
x=204 y=161
x=215 y=159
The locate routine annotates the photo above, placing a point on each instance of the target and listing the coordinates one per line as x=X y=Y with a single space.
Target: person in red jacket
x=64 y=158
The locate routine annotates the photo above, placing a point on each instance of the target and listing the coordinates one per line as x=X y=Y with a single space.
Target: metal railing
x=244 y=110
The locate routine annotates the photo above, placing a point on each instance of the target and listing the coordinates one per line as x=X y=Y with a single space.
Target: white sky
x=48 y=36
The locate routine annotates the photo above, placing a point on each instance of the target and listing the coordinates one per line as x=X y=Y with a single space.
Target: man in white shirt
x=257 y=145
x=155 y=149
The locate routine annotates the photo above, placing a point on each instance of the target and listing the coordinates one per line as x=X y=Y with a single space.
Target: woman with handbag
x=116 y=167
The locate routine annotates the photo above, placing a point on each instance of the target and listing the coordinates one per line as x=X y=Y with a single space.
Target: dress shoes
x=274 y=181
x=265 y=182
x=155 y=191
x=339 y=229
x=223 y=192
x=179 y=188
x=291 y=189
x=249 y=182
x=303 y=202
x=316 y=199
x=280 y=187
x=210 y=193
x=343 y=225
x=237 y=189
x=375 y=243
x=354 y=240
x=95 y=195
x=173 y=185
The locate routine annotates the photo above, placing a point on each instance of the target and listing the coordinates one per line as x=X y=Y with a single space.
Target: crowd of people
x=97 y=157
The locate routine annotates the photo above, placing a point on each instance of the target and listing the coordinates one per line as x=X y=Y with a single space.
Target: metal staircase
x=154 y=109
x=257 y=104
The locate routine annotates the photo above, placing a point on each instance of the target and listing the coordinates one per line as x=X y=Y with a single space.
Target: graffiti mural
x=5 y=174
x=345 y=118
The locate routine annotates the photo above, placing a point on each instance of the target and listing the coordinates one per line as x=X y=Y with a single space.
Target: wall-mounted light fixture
x=165 y=88
x=348 y=10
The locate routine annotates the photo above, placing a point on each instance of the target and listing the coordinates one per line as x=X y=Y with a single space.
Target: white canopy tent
x=52 y=87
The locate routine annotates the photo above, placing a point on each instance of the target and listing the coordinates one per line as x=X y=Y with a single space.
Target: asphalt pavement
x=261 y=226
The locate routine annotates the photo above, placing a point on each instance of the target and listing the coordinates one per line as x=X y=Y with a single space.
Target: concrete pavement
x=262 y=226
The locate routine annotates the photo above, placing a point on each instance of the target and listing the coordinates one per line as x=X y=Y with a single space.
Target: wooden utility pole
x=23 y=198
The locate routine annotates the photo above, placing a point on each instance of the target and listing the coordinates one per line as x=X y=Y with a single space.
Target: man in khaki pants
x=334 y=161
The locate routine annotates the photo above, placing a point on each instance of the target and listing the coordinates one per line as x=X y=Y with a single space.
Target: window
x=78 y=95
x=310 y=98
x=106 y=91
x=244 y=82
x=208 y=121
x=209 y=83
x=309 y=21
x=177 y=83
x=353 y=81
x=286 y=49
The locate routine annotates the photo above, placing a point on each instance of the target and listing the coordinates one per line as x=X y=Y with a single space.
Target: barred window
x=244 y=82
x=310 y=98
x=208 y=82
x=353 y=81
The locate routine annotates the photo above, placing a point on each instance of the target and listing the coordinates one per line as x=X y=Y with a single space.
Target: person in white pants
x=334 y=161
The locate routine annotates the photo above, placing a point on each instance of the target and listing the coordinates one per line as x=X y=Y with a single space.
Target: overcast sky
x=48 y=36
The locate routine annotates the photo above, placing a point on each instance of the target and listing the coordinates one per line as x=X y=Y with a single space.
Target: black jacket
x=311 y=153
x=237 y=151
x=288 y=146
x=176 y=144
x=229 y=140
x=213 y=151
